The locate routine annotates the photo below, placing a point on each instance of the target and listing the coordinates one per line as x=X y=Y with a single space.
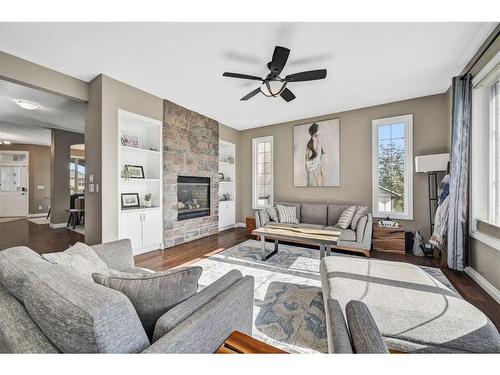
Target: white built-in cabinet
x=227 y=185
x=142 y=225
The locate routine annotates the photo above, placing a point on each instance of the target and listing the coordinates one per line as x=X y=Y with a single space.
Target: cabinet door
x=152 y=228
x=131 y=228
x=222 y=215
x=231 y=214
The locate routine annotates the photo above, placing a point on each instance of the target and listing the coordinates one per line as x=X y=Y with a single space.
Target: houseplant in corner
x=147 y=200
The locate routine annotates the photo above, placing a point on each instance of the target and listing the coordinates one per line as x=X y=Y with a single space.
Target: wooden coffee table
x=239 y=343
x=325 y=239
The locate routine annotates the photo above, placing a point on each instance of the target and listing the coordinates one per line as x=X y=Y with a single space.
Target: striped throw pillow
x=287 y=214
x=346 y=217
x=273 y=214
x=360 y=211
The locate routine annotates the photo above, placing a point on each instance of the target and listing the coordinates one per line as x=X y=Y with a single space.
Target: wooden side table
x=239 y=343
x=389 y=239
x=250 y=224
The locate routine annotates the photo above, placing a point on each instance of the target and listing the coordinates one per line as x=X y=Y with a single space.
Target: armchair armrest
x=176 y=315
x=366 y=337
x=116 y=254
x=205 y=330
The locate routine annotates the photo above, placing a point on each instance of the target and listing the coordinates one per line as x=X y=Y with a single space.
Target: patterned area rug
x=288 y=308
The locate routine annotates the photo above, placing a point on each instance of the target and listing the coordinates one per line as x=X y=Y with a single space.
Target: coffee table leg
x=328 y=250
x=321 y=251
x=266 y=256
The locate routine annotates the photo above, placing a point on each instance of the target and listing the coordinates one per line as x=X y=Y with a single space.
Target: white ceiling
x=19 y=125
x=368 y=63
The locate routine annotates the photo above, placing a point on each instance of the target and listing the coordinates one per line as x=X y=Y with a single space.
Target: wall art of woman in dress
x=314 y=157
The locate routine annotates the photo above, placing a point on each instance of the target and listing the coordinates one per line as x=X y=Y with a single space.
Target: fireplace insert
x=193 y=197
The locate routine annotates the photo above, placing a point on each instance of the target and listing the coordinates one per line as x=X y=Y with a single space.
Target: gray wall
x=430 y=135
x=59 y=173
x=107 y=95
x=39 y=175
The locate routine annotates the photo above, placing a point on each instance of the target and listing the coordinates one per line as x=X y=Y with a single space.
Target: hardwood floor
x=40 y=238
x=43 y=239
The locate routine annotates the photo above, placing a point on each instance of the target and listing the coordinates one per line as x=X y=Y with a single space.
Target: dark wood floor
x=43 y=239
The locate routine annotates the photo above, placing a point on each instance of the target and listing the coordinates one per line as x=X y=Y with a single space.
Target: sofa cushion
x=296 y=205
x=413 y=311
x=153 y=294
x=272 y=214
x=346 y=217
x=334 y=212
x=287 y=214
x=15 y=263
x=80 y=316
x=310 y=226
x=345 y=234
x=361 y=228
x=313 y=213
x=80 y=258
x=360 y=211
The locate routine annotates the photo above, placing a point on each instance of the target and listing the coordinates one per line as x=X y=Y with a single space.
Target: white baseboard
x=240 y=225
x=483 y=283
x=58 y=225
x=38 y=215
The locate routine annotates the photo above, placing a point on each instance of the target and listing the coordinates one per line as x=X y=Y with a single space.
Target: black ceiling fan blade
x=251 y=94
x=287 y=95
x=310 y=75
x=280 y=56
x=242 y=76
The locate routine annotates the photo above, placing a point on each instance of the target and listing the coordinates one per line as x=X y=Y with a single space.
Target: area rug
x=288 y=307
x=78 y=229
x=39 y=220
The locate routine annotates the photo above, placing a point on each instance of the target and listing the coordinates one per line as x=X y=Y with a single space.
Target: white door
x=131 y=228
x=13 y=184
x=152 y=229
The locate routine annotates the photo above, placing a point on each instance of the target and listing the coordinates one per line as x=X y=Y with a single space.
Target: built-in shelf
x=225 y=182
x=142 y=208
x=227 y=170
x=225 y=162
x=138 y=149
x=226 y=200
x=136 y=180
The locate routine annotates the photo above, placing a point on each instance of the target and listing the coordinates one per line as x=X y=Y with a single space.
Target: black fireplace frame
x=194 y=180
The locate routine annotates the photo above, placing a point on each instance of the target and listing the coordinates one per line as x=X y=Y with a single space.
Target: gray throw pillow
x=80 y=258
x=287 y=214
x=153 y=294
x=346 y=217
x=360 y=211
x=273 y=214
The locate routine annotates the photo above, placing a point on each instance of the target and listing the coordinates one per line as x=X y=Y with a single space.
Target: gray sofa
x=47 y=308
x=414 y=312
x=325 y=216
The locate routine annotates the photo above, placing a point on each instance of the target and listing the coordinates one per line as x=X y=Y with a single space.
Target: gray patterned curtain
x=458 y=223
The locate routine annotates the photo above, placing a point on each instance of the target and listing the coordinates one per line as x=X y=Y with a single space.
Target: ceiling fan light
x=31 y=106
x=6 y=142
x=272 y=88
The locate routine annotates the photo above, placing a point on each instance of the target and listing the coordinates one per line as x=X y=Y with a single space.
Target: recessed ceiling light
x=27 y=105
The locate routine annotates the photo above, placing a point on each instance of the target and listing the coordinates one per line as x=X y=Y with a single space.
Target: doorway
x=14 y=189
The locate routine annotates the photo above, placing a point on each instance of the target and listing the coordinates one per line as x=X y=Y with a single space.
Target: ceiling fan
x=273 y=85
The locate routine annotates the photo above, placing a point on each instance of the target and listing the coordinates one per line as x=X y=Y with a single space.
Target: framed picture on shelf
x=135 y=171
x=130 y=200
x=130 y=141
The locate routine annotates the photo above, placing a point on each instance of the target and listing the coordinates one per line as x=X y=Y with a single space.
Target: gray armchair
x=46 y=308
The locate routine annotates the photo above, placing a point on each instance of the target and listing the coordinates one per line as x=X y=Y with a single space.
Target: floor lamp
x=431 y=164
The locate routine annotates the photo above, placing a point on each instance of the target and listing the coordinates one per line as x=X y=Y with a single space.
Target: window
x=262 y=172
x=485 y=155
x=76 y=176
x=392 y=167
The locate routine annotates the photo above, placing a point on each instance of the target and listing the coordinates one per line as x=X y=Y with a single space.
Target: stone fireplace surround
x=190 y=148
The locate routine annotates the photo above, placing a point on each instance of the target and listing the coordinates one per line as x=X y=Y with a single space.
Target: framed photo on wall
x=316 y=154
x=130 y=200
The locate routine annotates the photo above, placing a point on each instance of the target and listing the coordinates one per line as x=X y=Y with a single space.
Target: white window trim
x=255 y=142
x=408 y=120
x=477 y=167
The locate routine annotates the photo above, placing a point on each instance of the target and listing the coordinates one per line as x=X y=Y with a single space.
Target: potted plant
x=147 y=200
